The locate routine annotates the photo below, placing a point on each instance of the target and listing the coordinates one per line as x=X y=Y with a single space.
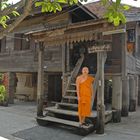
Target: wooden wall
x=133 y=59
x=21 y=61
x=25 y=86
x=138 y=47
x=25 y=61
x=42 y=22
x=13 y=59
x=113 y=62
x=53 y=59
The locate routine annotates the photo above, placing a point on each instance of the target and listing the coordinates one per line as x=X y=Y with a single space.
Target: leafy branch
x=115 y=11
x=4 y=18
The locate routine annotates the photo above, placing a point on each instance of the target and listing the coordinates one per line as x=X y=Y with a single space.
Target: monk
x=84 y=90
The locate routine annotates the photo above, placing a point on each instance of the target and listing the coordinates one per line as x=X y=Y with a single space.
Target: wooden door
x=54 y=87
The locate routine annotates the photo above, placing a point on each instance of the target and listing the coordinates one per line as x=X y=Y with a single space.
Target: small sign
x=100 y=48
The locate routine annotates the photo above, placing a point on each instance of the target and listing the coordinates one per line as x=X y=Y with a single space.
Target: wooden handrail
x=75 y=71
x=94 y=90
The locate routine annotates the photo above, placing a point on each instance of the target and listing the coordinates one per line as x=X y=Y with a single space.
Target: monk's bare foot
x=85 y=124
x=80 y=125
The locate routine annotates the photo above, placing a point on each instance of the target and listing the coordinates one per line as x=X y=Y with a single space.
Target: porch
x=94 y=39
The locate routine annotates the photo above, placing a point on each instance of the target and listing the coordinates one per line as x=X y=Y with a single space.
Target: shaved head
x=85 y=70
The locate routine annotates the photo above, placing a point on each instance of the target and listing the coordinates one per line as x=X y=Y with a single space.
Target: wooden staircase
x=66 y=111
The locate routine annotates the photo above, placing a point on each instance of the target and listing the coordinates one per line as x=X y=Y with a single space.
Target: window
x=21 y=42
x=3 y=45
x=131 y=35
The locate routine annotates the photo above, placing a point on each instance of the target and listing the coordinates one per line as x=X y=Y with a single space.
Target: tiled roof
x=97 y=9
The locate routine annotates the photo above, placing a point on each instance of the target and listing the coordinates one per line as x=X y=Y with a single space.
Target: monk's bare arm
x=77 y=86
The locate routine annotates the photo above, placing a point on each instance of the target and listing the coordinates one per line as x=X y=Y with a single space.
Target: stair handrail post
x=94 y=90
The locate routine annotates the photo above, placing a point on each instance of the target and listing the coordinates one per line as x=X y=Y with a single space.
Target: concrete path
x=16 y=117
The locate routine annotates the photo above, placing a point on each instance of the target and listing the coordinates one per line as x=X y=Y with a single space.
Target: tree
x=7 y=10
x=114 y=12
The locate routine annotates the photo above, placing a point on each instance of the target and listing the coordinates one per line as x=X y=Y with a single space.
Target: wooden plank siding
x=130 y=64
x=23 y=61
x=42 y=22
x=19 y=55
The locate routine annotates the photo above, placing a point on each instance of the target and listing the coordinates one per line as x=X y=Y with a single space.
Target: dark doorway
x=54 y=87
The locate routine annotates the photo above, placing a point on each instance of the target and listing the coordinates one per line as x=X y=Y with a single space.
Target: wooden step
x=74 y=91
x=108 y=113
x=73 y=84
x=66 y=112
x=62 y=121
x=70 y=97
x=68 y=105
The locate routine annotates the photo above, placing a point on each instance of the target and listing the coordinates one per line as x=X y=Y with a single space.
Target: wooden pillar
x=132 y=91
x=125 y=78
x=117 y=98
x=100 y=93
x=40 y=82
x=138 y=91
x=63 y=69
x=68 y=57
x=125 y=96
x=11 y=87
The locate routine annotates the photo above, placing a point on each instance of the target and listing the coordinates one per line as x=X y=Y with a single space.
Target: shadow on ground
x=48 y=133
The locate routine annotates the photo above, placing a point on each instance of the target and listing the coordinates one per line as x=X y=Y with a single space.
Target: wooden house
x=46 y=53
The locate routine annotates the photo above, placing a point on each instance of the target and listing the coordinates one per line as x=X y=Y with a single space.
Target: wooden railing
x=94 y=89
x=131 y=63
x=75 y=71
x=138 y=63
x=16 y=53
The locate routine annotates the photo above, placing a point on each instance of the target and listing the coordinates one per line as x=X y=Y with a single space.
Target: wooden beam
x=68 y=57
x=101 y=58
x=11 y=87
x=132 y=92
x=137 y=89
x=125 y=96
x=40 y=82
x=117 y=98
x=125 y=84
x=63 y=47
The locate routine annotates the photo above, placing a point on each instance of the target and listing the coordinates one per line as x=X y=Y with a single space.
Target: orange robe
x=85 y=93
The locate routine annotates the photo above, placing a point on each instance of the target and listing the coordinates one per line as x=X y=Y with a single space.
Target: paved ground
x=16 y=117
x=17 y=122
x=128 y=129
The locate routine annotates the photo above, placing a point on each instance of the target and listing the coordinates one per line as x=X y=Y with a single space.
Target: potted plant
x=3 y=96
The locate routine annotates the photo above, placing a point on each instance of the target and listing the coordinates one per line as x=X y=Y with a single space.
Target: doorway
x=54 y=87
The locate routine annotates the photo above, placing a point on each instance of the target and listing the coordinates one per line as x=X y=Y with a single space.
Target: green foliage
x=4 y=18
x=2 y=93
x=53 y=5
x=115 y=11
x=104 y=2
